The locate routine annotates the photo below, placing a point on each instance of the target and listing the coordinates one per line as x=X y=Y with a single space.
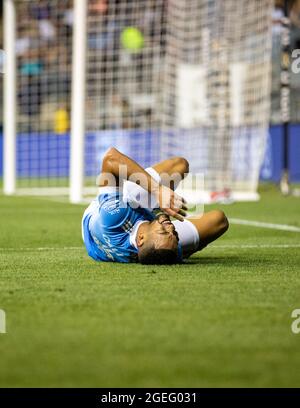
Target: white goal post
x=153 y=78
x=9 y=99
x=78 y=102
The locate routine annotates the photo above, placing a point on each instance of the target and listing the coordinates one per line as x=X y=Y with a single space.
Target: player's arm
x=117 y=167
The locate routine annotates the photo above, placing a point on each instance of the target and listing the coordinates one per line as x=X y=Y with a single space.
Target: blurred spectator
x=28 y=38
x=61 y=120
x=43 y=48
x=102 y=30
x=40 y=10
x=295 y=20
x=98 y=6
x=47 y=30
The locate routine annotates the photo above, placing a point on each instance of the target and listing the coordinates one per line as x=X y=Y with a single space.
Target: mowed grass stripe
x=216 y=247
x=222 y=319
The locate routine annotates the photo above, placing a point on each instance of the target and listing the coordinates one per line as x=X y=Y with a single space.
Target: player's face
x=164 y=232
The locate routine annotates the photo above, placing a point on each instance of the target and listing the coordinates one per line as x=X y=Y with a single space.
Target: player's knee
x=181 y=165
x=221 y=221
x=185 y=165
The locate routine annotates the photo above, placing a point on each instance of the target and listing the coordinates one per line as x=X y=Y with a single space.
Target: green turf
x=223 y=319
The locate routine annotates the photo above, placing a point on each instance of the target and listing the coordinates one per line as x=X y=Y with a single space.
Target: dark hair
x=149 y=255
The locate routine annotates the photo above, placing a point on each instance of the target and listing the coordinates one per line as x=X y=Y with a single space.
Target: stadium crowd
x=43 y=48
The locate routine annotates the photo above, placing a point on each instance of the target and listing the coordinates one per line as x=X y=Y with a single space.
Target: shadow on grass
x=207 y=260
x=227 y=262
x=230 y=261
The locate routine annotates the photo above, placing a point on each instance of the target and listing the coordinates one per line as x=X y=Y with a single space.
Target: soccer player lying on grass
x=120 y=224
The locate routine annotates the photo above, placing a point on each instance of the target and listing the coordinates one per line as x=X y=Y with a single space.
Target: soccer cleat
x=222 y=197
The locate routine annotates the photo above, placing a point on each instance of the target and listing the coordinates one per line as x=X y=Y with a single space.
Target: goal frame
x=75 y=190
x=77 y=134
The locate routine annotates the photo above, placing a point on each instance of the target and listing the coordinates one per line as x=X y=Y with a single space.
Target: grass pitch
x=222 y=319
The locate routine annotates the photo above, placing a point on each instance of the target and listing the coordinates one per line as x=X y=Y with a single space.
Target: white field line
x=226 y=246
x=254 y=246
x=259 y=224
x=41 y=249
x=282 y=227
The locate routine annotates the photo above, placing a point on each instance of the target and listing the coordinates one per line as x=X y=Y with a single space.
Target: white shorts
x=187 y=232
x=188 y=236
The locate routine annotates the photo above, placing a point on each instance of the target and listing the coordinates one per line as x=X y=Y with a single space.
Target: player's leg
x=170 y=167
x=210 y=226
x=196 y=233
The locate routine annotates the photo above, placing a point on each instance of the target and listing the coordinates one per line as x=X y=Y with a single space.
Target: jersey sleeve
x=113 y=210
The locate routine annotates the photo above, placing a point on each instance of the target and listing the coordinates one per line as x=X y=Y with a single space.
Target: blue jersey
x=109 y=227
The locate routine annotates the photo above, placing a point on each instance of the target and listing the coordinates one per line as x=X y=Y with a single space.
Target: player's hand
x=171 y=203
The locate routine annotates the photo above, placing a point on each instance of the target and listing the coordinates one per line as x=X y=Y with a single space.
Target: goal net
x=216 y=95
x=38 y=36
x=162 y=78
x=183 y=77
